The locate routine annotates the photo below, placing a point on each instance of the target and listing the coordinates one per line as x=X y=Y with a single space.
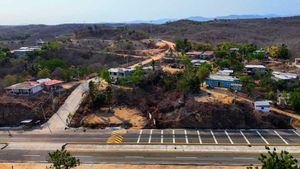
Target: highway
x=34 y=147
x=138 y=157
x=254 y=137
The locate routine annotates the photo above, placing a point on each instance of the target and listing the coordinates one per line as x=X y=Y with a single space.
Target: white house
x=225 y=72
x=284 y=76
x=116 y=73
x=252 y=69
x=297 y=62
x=25 y=89
x=263 y=106
x=198 y=62
x=24 y=50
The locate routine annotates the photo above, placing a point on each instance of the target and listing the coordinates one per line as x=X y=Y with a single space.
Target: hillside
x=261 y=31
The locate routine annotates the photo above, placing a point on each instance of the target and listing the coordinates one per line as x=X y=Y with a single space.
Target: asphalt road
x=138 y=157
x=162 y=137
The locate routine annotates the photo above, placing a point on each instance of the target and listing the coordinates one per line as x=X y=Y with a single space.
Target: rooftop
x=198 y=61
x=208 y=53
x=262 y=103
x=194 y=53
x=53 y=82
x=255 y=66
x=120 y=69
x=222 y=77
x=24 y=85
x=284 y=76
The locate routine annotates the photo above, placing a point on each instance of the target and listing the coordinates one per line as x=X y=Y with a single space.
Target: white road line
x=228 y=137
x=32 y=155
x=187 y=157
x=150 y=136
x=248 y=142
x=186 y=137
x=83 y=156
x=134 y=157
x=173 y=136
x=199 y=137
x=262 y=137
x=244 y=158
x=162 y=136
x=296 y=133
x=139 y=139
x=280 y=137
x=212 y=133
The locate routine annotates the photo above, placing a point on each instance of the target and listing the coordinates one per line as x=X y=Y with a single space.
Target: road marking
x=280 y=137
x=199 y=137
x=173 y=136
x=134 y=157
x=162 y=136
x=212 y=133
x=248 y=142
x=138 y=141
x=186 y=137
x=296 y=133
x=32 y=155
x=262 y=137
x=83 y=156
x=228 y=137
x=150 y=136
x=244 y=158
x=187 y=157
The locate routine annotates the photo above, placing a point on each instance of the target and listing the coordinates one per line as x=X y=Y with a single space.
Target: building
x=297 y=62
x=284 y=76
x=24 y=50
x=225 y=72
x=53 y=85
x=195 y=54
x=221 y=81
x=252 y=69
x=25 y=89
x=207 y=55
x=234 y=49
x=198 y=62
x=263 y=106
x=116 y=73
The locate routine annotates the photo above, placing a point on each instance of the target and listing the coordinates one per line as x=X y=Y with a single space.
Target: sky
x=20 y=12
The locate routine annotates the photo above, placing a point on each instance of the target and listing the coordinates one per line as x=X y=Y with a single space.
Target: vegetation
x=62 y=159
x=99 y=97
x=275 y=160
x=183 y=45
x=279 y=51
x=295 y=100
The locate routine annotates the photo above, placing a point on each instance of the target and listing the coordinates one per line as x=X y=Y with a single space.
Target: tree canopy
x=62 y=159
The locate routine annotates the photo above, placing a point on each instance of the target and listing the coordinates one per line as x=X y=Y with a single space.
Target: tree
x=275 y=160
x=283 y=52
x=183 y=45
x=10 y=80
x=186 y=62
x=62 y=159
x=203 y=73
x=104 y=74
x=295 y=100
x=153 y=64
x=44 y=73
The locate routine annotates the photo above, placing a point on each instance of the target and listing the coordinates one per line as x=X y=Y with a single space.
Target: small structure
x=234 y=49
x=198 y=62
x=284 y=76
x=195 y=54
x=252 y=69
x=24 y=50
x=221 y=81
x=297 y=62
x=147 y=68
x=225 y=72
x=25 y=89
x=207 y=55
x=263 y=106
x=42 y=81
x=116 y=73
x=53 y=85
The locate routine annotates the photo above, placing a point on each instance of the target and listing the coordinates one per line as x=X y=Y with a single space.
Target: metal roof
x=284 y=76
x=262 y=103
x=255 y=66
x=24 y=85
x=222 y=77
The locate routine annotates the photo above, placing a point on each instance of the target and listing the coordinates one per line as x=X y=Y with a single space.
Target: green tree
x=203 y=72
x=225 y=46
x=202 y=47
x=62 y=159
x=186 y=62
x=283 y=52
x=51 y=64
x=275 y=160
x=10 y=80
x=104 y=74
x=44 y=73
x=295 y=100
x=183 y=45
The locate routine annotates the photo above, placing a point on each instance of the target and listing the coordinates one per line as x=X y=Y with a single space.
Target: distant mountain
x=203 y=19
